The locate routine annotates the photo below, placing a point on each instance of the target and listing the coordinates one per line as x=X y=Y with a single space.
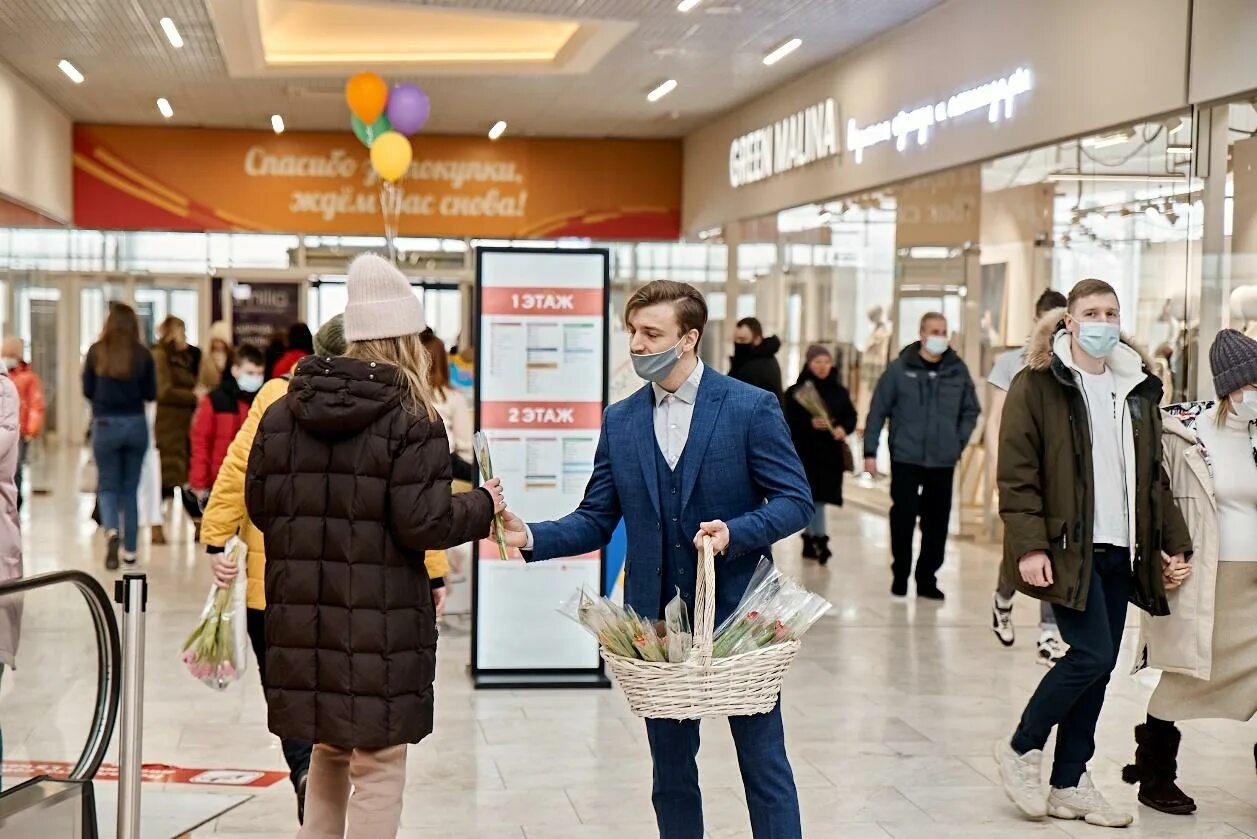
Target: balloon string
x=391 y=208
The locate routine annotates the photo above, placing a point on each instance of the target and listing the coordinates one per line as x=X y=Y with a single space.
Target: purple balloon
x=408 y=108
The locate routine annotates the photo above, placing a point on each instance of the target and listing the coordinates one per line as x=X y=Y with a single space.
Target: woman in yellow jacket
x=225 y=516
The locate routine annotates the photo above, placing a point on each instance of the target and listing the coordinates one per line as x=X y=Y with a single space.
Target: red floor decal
x=153 y=773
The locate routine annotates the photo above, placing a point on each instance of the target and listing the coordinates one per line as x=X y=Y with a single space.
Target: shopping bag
x=216 y=651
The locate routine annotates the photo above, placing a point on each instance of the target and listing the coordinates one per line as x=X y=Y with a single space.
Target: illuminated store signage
x=799 y=139
x=996 y=97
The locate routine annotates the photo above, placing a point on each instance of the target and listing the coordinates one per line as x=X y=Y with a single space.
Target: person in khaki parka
x=1089 y=525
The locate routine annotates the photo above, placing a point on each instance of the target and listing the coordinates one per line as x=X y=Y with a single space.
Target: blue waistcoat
x=679 y=556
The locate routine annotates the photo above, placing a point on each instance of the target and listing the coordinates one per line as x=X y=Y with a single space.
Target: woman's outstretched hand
x=494 y=488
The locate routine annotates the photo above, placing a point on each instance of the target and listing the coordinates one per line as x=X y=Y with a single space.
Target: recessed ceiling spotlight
x=498 y=129
x=277 y=123
x=687 y=5
x=164 y=106
x=71 y=71
x=662 y=90
x=172 y=32
x=782 y=51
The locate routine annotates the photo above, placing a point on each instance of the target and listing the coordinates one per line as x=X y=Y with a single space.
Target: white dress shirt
x=673 y=414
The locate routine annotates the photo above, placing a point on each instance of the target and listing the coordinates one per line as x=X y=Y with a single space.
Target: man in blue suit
x=692 y=454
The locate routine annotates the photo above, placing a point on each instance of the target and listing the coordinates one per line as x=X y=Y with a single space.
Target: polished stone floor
x=891 y=710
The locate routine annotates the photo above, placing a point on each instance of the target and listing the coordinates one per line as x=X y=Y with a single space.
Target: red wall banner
x=146 y=178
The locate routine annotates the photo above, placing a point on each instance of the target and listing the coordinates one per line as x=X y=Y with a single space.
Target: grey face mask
x=656 y=367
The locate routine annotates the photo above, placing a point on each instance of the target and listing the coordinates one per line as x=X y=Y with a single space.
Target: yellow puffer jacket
x=225 y=516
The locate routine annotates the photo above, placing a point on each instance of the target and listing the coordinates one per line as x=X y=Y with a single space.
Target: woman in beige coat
x=1207 y=647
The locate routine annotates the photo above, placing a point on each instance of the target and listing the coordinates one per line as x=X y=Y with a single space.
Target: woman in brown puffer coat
x=349 y=482
x=177 y=365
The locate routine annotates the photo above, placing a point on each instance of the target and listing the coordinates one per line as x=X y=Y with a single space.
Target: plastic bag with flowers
x=215 y=651
x=625 y=633
x=774 y=608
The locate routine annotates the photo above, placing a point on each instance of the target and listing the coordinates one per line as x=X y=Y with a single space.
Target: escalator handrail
x=108 y=657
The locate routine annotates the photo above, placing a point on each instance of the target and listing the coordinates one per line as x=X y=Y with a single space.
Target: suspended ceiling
x=586 y=68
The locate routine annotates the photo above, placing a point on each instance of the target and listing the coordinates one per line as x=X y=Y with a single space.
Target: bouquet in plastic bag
x=625 y=633
x=774 y=609
x=480 y=447
x=809 y=397
x=215 y=651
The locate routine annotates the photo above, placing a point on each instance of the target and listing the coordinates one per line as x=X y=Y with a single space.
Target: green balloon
x=367 y=133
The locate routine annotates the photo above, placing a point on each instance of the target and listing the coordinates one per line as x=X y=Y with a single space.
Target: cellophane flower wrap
x=480 y=446
x=809 y=397
x=215 y=651
x=625 y=633
x=774 y=609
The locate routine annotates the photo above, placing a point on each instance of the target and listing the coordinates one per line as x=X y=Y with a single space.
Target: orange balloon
x=367 y=94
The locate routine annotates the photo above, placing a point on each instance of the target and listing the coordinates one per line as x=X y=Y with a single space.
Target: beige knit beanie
x=381 y=302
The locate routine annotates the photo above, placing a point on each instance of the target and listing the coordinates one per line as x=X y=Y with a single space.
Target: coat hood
x=1041 y=346
x=335 y=398
x=769 y=348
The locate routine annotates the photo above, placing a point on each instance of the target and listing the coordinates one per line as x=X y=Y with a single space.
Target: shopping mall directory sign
x=541 y=387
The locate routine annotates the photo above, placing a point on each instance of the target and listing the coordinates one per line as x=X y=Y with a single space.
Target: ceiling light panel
x=172 y=33
x=606 y=100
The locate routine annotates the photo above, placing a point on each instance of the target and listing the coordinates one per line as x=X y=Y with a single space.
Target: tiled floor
x=890 y=710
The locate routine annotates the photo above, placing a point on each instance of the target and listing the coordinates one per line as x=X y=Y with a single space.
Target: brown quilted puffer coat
x=349 y=490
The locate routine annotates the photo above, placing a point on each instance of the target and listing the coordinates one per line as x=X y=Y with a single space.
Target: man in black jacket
x=754 y=357
x=928 y=396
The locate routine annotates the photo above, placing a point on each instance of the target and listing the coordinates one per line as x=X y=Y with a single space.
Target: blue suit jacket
x=740 y=467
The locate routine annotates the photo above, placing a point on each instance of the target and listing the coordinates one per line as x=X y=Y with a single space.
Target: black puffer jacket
x=757 y=365
x=349 y=490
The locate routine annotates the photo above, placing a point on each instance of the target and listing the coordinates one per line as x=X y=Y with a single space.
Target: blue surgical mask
x=250 y=384
x=1098 y=339
x=655 y=367
x=936 y=344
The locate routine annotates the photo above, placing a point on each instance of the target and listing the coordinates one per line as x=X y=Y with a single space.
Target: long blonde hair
x=412 y=362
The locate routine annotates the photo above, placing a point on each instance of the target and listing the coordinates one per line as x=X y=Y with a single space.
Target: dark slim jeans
x=296 y=752
x=1071 y=694
x=760 y=741
x=919 y=492
x=119 y=444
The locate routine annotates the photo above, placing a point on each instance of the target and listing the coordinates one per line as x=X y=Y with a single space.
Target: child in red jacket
x=219 y=417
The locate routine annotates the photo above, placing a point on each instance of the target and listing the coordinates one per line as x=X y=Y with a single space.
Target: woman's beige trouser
x=374 y=810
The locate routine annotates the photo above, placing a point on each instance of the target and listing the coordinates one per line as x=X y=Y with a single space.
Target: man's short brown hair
x=929 y=316
x=691 y=308
x=1088 y=288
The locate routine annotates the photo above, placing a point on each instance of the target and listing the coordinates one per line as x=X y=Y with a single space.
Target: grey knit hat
x=1233 y=358
x=817 y=350
x=330 y=339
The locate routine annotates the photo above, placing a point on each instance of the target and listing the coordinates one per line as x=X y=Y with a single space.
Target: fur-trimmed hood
x=1041 y=346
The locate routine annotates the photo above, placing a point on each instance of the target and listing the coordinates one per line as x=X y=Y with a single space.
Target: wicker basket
x=743 y=684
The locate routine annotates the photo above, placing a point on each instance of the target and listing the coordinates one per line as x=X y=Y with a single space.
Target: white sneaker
x=1085 y=802
x=1051 y=650
x=1023 y=778
x=1002 y=623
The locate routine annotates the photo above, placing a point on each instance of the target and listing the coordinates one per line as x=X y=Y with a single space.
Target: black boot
x=809 y=547
x=823 y=553
x=1156 y=768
